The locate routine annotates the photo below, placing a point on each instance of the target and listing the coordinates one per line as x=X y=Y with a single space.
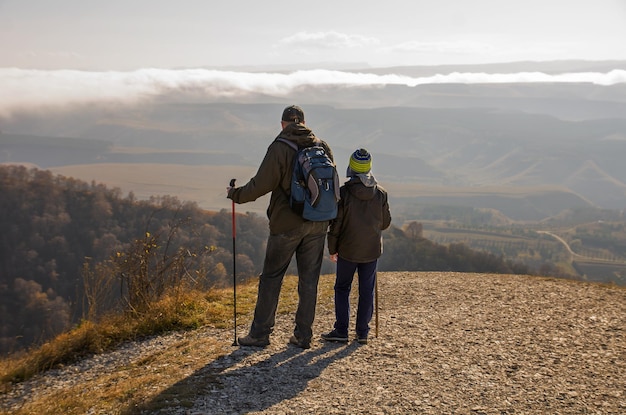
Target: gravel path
x=448 y=344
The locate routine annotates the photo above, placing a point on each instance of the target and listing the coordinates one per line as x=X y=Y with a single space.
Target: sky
x=62 y=52
x=125 y=35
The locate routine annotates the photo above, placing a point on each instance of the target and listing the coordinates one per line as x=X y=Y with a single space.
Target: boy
x=355 y=243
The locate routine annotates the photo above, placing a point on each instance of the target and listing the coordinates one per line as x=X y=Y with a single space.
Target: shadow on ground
x=256 y=377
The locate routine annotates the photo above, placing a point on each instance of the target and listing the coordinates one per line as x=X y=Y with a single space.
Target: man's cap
x=293 y=114
x=361 y=161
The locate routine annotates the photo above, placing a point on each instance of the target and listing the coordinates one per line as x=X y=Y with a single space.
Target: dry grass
x=191 y=310
x=156 y=376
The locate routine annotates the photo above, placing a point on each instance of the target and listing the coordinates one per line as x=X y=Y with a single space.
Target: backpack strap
x=289 y=143
x=316 y=142
x=294 y=146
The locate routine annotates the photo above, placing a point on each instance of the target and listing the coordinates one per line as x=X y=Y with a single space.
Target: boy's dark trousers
x=343 y=284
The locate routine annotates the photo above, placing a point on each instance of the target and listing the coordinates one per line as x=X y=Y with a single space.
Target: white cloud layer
x=22 y=89
x=327 y=40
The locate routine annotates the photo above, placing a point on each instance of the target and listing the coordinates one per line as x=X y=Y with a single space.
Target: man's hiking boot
x=301 y=343
x=361 y=340
x=253 y=341
x=333 y=336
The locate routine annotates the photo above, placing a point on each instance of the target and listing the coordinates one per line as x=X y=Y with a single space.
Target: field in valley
x=205 y=185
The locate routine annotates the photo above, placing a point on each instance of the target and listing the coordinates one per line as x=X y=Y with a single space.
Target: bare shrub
x=137 y=277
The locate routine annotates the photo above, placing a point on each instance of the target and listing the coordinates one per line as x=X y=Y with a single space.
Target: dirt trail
x=448 y=343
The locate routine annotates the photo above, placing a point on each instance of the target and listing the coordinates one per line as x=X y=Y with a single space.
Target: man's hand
x=229 y=192
x=230 y=189
x=333 y=257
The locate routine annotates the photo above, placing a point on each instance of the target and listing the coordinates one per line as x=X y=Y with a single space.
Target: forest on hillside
x=72 y=250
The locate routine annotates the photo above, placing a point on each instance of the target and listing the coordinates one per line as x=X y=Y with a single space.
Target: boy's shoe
x=333 y=336
x=301 y=343
x=362 y=340
x=253 y=341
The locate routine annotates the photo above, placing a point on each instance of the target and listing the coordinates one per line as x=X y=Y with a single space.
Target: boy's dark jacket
x=274 y=175
x=363 y=213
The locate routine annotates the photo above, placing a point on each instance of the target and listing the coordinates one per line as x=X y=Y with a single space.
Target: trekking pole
x=232 y=184
x=376 y=301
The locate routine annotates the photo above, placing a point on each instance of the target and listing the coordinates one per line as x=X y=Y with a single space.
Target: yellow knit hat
x=361 y=161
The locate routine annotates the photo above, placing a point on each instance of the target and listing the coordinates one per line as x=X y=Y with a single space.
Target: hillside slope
x=448 y=343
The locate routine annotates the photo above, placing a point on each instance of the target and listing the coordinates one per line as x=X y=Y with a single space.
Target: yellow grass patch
x=155 y=377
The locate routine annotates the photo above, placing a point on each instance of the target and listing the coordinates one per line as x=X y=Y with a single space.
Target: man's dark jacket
x=274 y=175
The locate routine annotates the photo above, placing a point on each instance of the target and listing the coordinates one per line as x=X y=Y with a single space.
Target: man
x=355 y=244
x=289 y=234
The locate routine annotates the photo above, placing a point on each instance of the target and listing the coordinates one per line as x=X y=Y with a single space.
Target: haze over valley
x=528 y=149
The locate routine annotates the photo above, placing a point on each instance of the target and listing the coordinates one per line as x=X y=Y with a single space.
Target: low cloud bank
x=22 y=89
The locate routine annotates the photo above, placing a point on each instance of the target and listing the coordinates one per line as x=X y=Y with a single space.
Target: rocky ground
x=447 y=343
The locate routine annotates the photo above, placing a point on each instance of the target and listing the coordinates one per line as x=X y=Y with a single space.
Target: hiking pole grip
x=232 y=184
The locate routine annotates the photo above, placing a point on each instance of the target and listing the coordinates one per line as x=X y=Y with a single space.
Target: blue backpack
x=314 y=183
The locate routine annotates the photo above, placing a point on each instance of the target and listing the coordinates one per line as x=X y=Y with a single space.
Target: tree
x=414 y=230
